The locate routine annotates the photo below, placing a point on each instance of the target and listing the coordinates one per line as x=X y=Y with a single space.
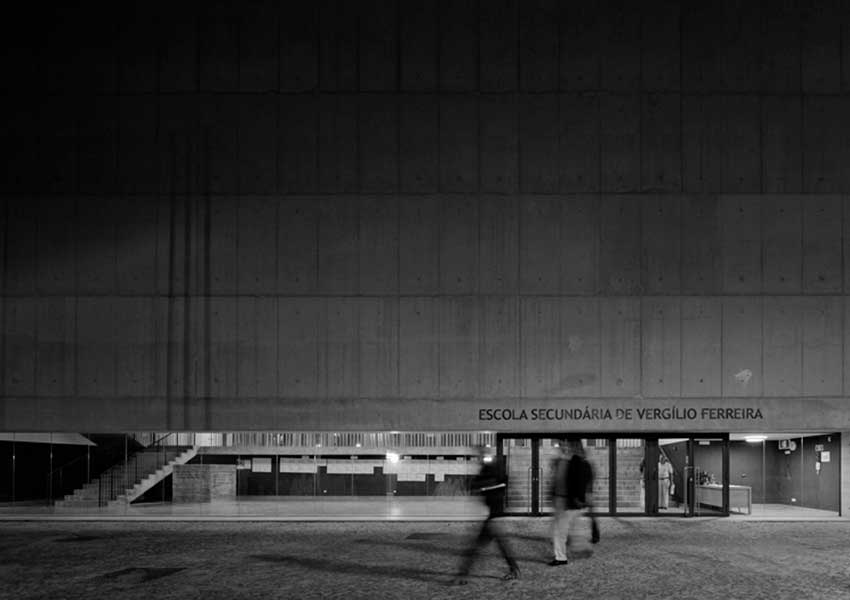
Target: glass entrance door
x=520 y=463
x=529 y=463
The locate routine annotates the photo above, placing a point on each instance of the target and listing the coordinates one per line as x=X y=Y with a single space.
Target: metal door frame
x=651 y=448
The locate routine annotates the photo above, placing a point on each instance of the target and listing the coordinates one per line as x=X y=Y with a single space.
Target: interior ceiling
x=774 y=436
x=737 y=437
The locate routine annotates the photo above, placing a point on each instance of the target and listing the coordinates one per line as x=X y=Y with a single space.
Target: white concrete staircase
x=143 y=471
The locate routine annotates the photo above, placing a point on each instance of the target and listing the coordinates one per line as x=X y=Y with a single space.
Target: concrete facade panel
x=459 y=143
x=822 y=244
x=460 y=331
x=419 y=144
x=95 y=347
x=579 y=47
x=620 y=49
x=782 y=244
x=137 y=344
x=338 y=164
x=499 y=143
x=826 y=144
x=266 y=347
x=701 y=265
x=224 y=245
x=538 y=45
x=418 y=50
x=540 y=231
x=459 y=227
x=249 y=323
x=739 y=219
x=20 y=171
x=339 y=231
x=337 y=31
x=579 y=143
x=258 y=136
x=97 y=141
x=781 y=144
x=94 y=227
x=301 y=343
x=721 y=143
x=701 y=347
x=177 y=360
x=540 y=346
x=339 y=360
x=54 y=354
x=136 y=260
x=259 y=48
x=299 y=44
x=661 y=143
x=20 y=340
x=298 y=143
x=580 y=349
x=780 y=46
x=661 y=347
x=256 y=221
x=419 y=347
x=378 y=50
x=55 y=243
x=379 y=245
x=499 y=351
x=419 y=244
x=138 y=168
x=57 y=148
x=578 y=252
x=222 y=366
x=620 y=244
x=620 y=139
x=538 y=143
x=782 y=347
x=661 y=46
x=823 y=346
x=179 y=148
x=219 y=148
x=218 y=49
x=298 y=245
x=178 y=50
x=620 y=332
x=743 y=371
x=377 y=148
x=661 y=244
x=458 y=45
x=137 y=52
x=379 y=347
x=499 y=45
x=820 y=27
x=498 y=244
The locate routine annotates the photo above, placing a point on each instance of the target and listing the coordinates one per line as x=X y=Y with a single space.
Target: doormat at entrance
x=426 y=536
x=134 y=575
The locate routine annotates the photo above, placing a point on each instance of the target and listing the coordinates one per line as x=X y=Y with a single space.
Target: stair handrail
x=61 y=468
x=108 y=487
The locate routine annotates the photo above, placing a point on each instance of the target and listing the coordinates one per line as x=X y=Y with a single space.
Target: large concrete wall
x=354 y=214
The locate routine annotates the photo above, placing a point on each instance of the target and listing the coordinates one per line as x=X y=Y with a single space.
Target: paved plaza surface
x=673 y=558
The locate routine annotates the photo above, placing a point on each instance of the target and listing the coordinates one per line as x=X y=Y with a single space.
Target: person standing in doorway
x=571 y=485
x=665 y=477
x=490 y=484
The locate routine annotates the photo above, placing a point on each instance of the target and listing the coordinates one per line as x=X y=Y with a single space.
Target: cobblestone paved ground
x=637 y=558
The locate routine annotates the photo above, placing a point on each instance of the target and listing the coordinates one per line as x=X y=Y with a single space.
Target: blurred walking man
x=490 y=483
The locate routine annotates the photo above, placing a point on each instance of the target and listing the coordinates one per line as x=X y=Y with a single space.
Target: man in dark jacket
x=490 y=483
x=571 y=486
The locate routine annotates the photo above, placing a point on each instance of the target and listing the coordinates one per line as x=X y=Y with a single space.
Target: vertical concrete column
x=845 y=474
